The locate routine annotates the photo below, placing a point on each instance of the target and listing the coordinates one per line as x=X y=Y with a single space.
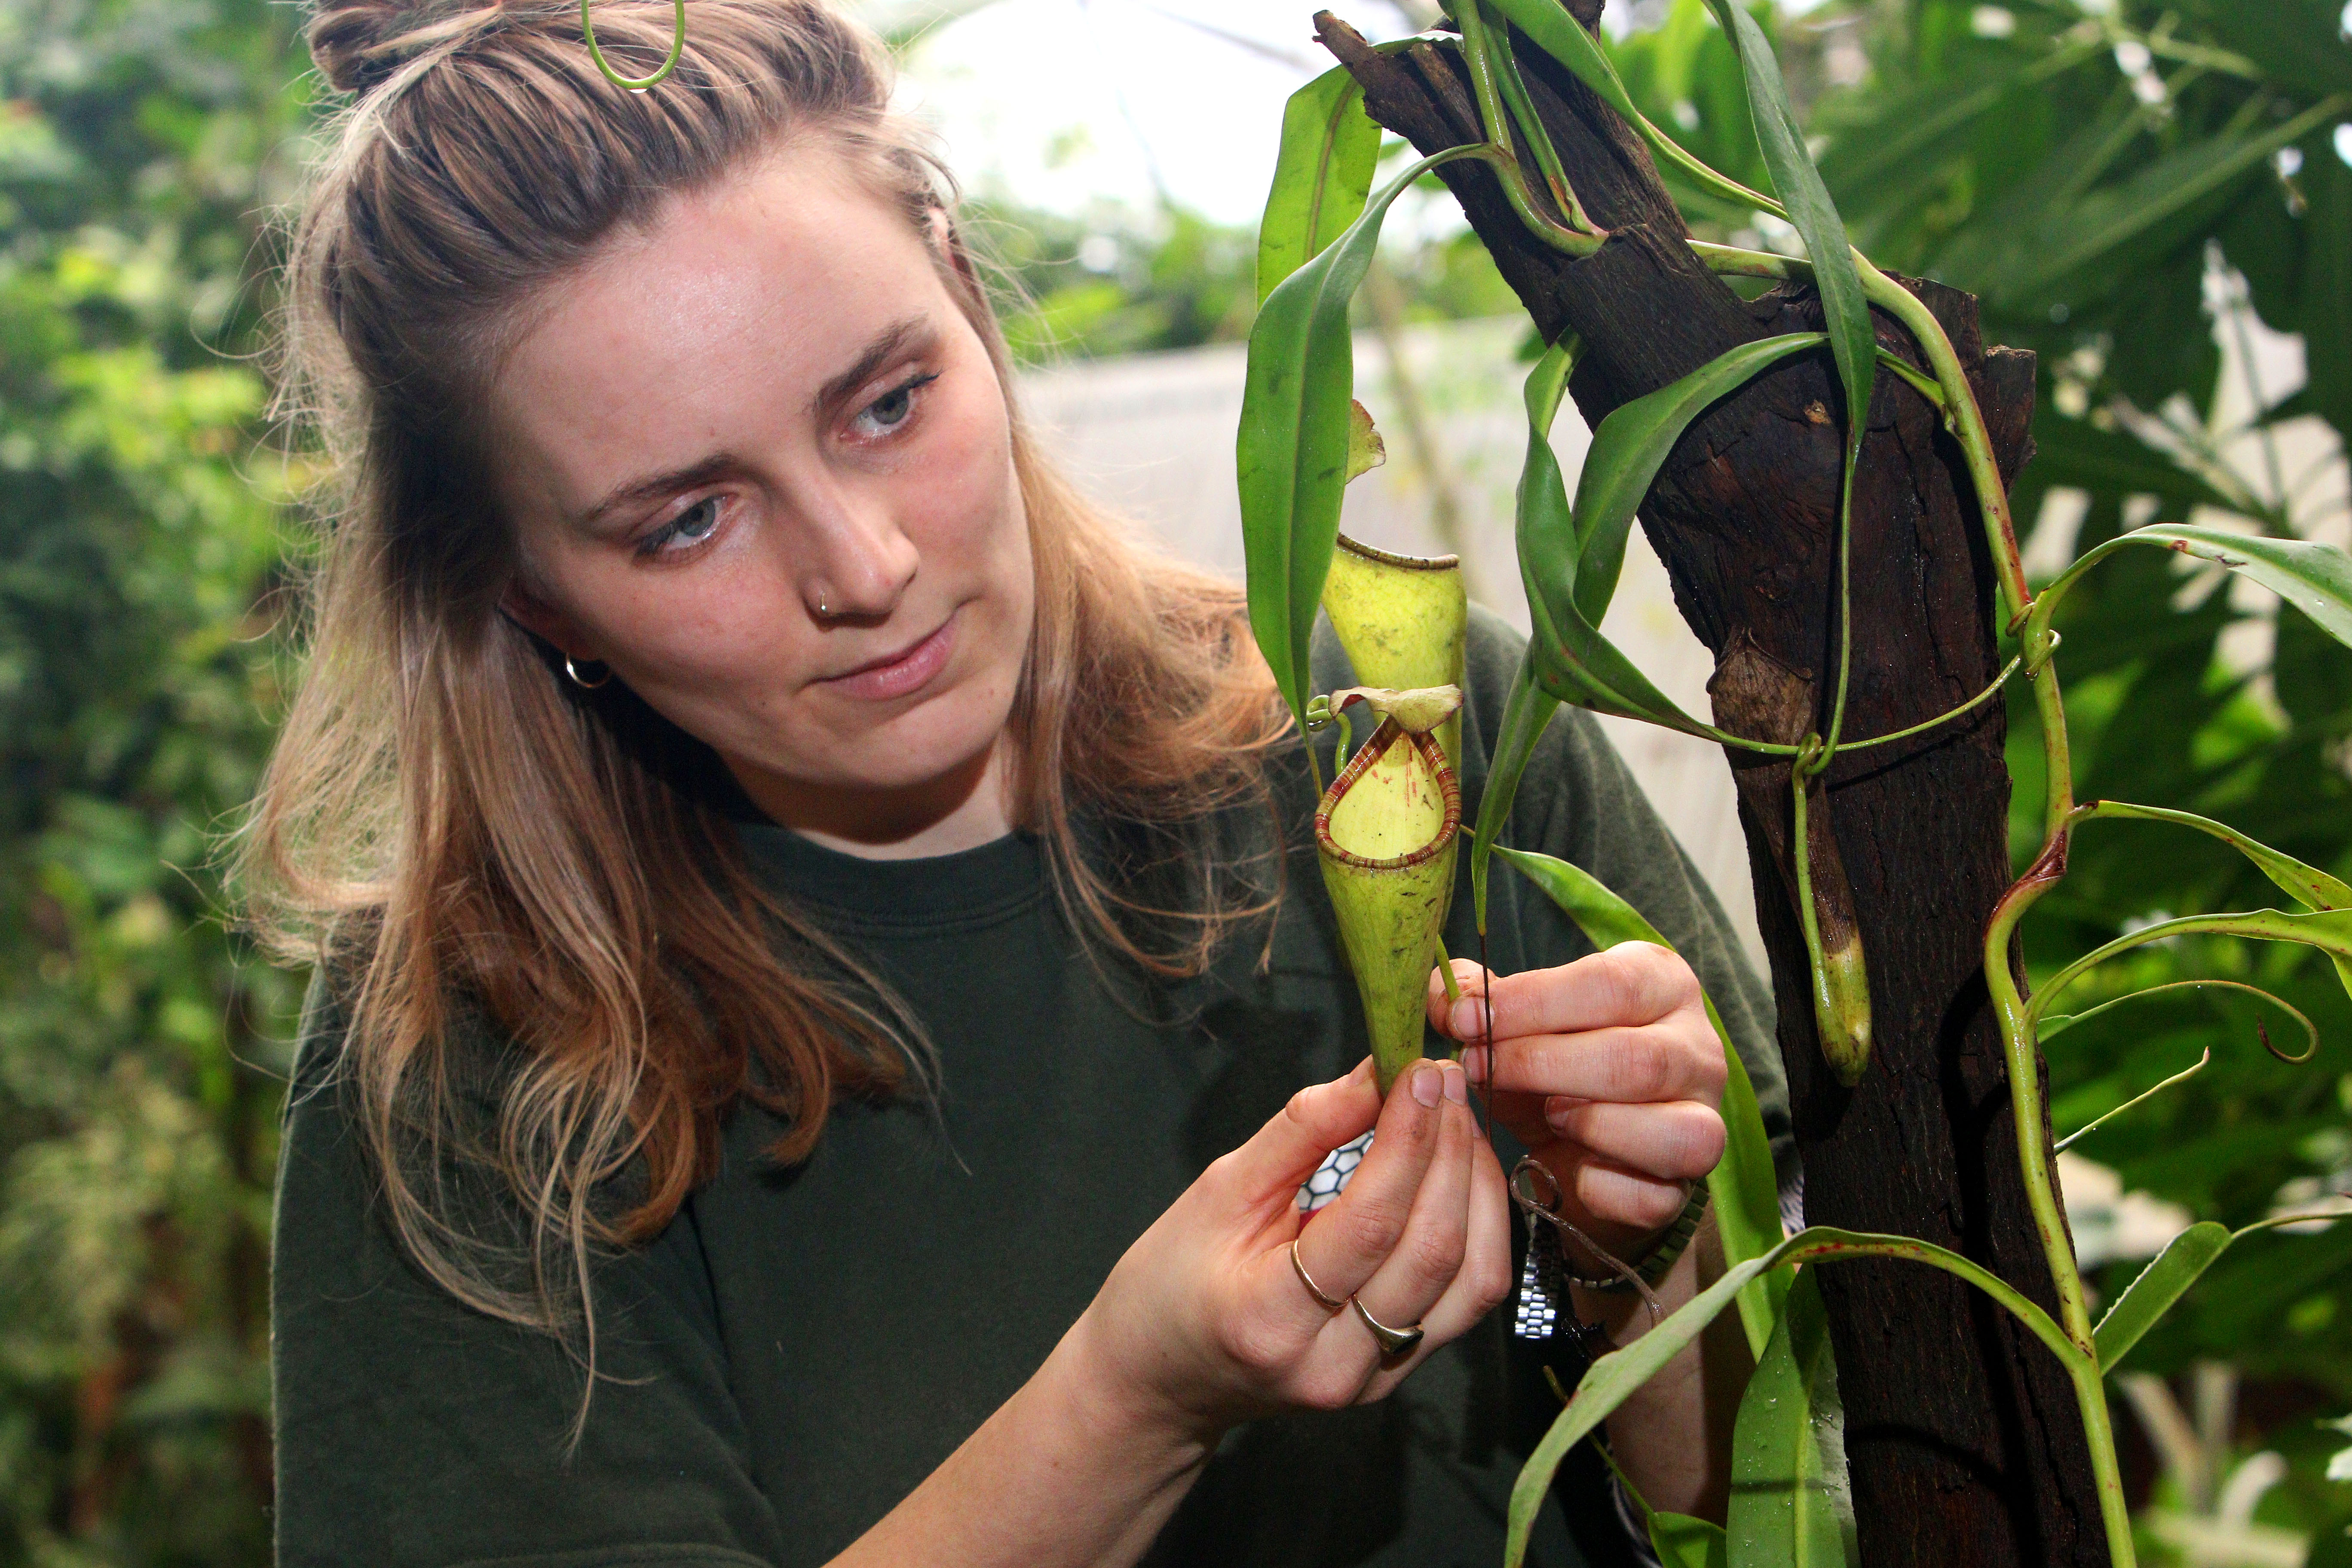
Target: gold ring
x=1395 y=1343
x=1328 y=1303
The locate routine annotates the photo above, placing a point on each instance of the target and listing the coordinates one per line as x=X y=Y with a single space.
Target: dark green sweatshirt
x=802 y=1346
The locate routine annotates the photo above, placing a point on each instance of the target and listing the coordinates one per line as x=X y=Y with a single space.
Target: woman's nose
x=855 y=560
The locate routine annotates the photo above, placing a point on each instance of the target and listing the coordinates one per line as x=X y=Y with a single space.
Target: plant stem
x=2025 y=1101
x=2057 y=754
x=1947 y=716
x=2022 y=1045
x=1966 y=421
x=1497 y=155
x=1503 y=66
x=1961 y=414
x=1446 y=970
x=1777 y=748
x=2091 y=1397
x=1845 y=590
x=1478 y=53
x=1801 y=856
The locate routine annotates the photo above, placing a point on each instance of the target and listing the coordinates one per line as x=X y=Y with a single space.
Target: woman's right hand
x=1204 y=1322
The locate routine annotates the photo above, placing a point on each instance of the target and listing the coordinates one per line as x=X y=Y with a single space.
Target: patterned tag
x=1330 y=1177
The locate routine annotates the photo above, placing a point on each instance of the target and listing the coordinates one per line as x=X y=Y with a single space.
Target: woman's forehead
x=749 y=300
x=790 y=246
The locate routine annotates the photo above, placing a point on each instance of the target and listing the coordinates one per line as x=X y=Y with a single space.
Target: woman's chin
x=894 y=762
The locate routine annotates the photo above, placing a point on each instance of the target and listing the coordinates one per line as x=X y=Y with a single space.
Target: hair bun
x=358 y=43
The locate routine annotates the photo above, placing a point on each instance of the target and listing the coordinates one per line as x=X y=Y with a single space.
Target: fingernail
x=1462 y=1022
x=1457 y=1085
x=1473 y=1062
x=1425 y=1085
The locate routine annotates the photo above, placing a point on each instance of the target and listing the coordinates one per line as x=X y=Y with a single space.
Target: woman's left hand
x=1608 y=1071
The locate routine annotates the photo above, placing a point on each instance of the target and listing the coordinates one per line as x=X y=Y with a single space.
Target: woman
x=817 y=959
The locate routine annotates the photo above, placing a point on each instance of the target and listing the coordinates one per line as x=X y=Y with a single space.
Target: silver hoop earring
x=582 y=681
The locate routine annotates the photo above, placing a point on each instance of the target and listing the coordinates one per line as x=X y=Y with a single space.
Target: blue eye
x=893 y=408
x=690 y=527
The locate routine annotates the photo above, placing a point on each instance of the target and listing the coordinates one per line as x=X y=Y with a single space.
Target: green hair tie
x=677 y=48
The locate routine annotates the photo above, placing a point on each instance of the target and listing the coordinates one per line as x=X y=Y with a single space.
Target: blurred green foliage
x=2094 y=196
x=1114 y=279
x=1119 y=280
x=138 y=541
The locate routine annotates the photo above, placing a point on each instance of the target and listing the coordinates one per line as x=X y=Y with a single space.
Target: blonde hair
x=452 y=829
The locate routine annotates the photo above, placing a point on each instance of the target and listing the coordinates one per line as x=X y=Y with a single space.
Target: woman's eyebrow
x=656 y=486
x=887 y=344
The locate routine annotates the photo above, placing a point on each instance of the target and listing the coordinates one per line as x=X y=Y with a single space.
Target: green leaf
x=1791 y=1504
x=1682 y=1542
x=1605 y=919
x=1612 y=1379
x=1632 y=445
x=1845 y=309
x=1526 y=712
x=2329 y=931
x=1574 y=661
x=2314 y=578
x=1561 y=547
x=1561 y=37
x=1607 y=1384
x=1743 y=1186
x=2308 y=885
x=1291 y=450
x=1321 y=175
x=1745 y=1191
x=2159 y=1285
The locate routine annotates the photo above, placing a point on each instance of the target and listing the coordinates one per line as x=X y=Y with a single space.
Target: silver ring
x=582 y=681
x=1395 y=1343
x=1327 y=1303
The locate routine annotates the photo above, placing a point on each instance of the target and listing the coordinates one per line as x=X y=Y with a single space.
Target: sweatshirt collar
x=934 y=890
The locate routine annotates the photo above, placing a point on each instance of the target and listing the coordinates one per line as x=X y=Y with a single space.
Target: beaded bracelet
x=1653 y=1265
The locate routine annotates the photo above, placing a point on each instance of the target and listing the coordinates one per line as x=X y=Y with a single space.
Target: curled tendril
x=677 y=48
x=2057 y=1022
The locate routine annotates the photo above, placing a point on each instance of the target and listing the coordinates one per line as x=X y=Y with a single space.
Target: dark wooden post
x=1962 y=1437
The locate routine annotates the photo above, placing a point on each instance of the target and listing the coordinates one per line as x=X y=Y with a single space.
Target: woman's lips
x=901 y=674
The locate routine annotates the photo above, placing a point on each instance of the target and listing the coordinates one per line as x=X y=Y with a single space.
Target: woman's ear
x=543 y=621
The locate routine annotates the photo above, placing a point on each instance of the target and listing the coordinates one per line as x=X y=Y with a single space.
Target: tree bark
x=1962 y=1437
